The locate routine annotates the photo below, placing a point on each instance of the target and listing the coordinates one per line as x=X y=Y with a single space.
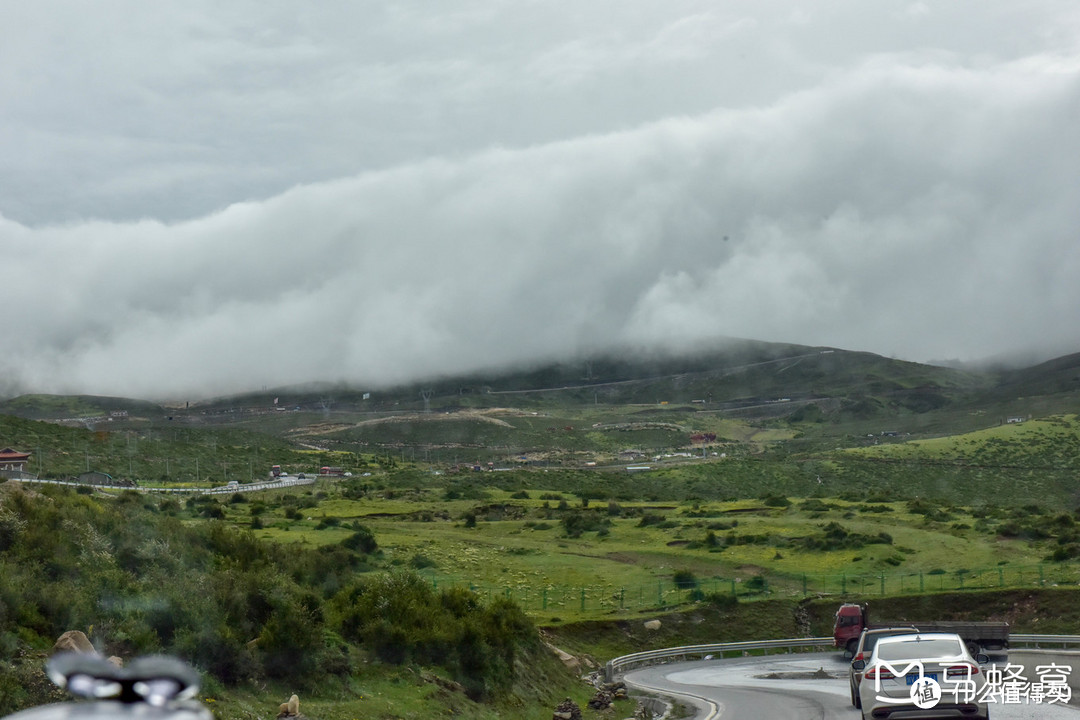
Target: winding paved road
x=782 y=687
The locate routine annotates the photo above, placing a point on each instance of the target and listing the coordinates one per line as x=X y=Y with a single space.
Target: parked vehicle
x=867 y=641
x=852 y=619
x=915 y=675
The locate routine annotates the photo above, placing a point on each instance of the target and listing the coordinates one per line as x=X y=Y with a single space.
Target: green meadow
x=776 y=480
x=573 y=559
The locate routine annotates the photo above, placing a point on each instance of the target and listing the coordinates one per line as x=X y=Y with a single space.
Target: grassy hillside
x=1051 y=443
x=781 y=480
x=75 y=406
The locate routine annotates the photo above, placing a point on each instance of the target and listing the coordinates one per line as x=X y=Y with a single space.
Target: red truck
x=852 y=619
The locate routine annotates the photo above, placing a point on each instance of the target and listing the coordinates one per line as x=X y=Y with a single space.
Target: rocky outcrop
x=566 y=658
x=607 y=694
x=74 y=641
x=601 y=700
x=567 y=710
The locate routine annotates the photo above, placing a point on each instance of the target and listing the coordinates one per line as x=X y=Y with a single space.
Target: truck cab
x=850 y=621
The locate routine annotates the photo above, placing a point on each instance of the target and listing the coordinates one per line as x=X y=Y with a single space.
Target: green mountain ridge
x=742 y=371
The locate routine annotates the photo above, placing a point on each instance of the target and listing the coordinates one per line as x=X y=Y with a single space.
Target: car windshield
x=420 y=357
x=912 y=649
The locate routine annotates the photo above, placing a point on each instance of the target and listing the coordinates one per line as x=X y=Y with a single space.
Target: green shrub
x=651 y=519
x=722 y=600
x=362 y=540
x=684 y=579
x=420 y=561
x=577 y=522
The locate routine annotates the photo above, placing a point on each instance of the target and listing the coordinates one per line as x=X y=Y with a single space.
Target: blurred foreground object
x=150 y=688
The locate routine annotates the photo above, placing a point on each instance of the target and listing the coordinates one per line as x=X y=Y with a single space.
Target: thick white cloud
x=523 y=187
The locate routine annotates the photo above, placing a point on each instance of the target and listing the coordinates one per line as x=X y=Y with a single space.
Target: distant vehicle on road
x=852 y=619
x=867 y=641
x=334 y=471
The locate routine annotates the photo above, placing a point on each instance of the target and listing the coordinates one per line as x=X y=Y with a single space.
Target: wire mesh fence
x=667 y=593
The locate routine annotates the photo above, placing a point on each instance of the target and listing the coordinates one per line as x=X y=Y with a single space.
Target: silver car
x=925 y=675
x=867 y=640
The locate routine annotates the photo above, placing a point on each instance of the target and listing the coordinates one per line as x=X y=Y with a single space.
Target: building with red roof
x=13 y=461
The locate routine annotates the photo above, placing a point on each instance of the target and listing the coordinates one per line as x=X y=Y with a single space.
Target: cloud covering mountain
x=244 y=200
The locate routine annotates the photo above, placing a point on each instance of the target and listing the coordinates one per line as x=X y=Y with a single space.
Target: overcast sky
x=199 y=198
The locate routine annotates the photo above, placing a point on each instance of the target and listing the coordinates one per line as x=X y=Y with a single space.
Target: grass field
x=560 y=557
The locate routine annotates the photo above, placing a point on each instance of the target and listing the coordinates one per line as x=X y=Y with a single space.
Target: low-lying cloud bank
x=918 y=209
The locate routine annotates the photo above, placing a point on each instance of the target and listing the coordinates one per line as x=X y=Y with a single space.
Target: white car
x=923 y=675
x=867 y=640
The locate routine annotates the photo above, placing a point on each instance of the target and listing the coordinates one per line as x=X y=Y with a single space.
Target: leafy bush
x=756 y=583
x=651 y=519
x=401 y=619
x=684 y=579
x=362 y=540
x=581 y=521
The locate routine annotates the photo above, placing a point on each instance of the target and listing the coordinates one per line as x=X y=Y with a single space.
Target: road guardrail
x=1044 y=641
x=652 y=657
x=688 y=652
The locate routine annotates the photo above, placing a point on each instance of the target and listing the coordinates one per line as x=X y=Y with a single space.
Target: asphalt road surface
x=786 y=687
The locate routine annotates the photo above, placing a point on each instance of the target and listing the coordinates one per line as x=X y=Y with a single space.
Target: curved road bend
x=781 y=687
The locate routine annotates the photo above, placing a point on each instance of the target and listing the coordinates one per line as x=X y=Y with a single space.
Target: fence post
x=804 y=584
x=1042 y=580
x=1001 y=577
x=545 y=599
x=660 y=593
x=921 y=585
x=622 y=598
x=583 y=599
x=882 y=583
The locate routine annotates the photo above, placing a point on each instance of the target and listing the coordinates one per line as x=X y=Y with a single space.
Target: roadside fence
x=666 y=594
